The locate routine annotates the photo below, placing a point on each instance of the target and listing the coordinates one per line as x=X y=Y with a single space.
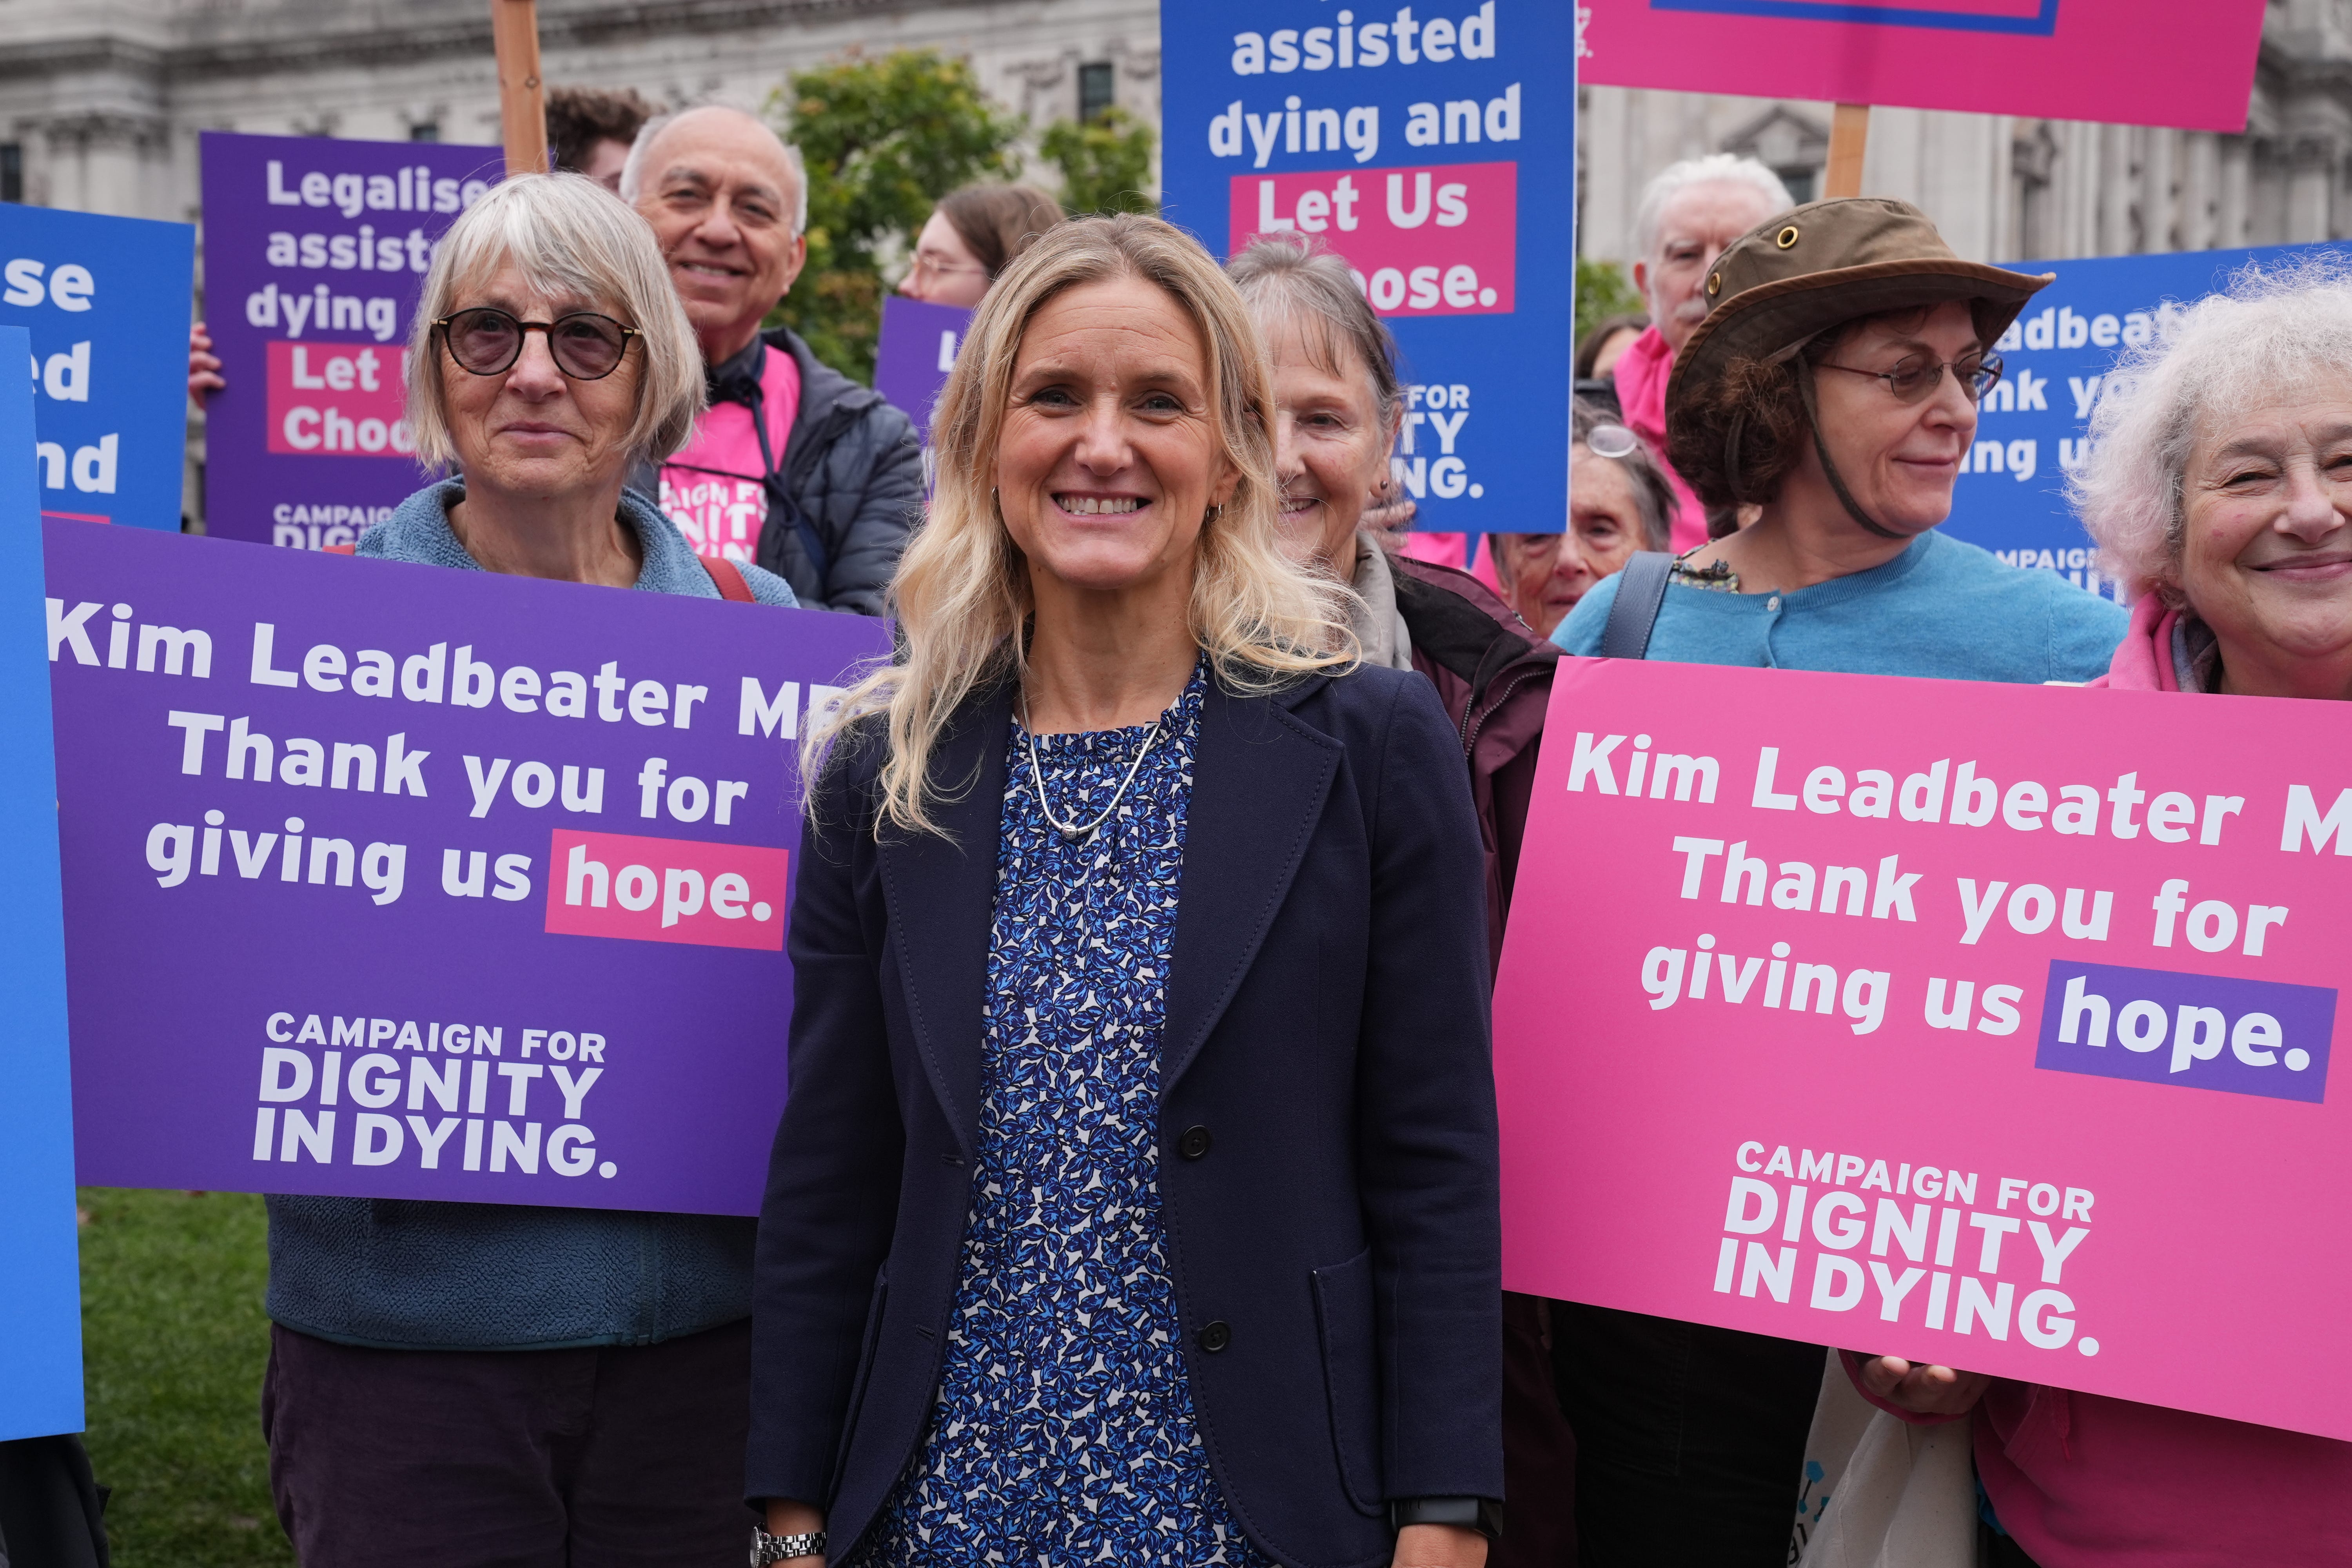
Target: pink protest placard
x=2185 y=63
x=1988 y=1026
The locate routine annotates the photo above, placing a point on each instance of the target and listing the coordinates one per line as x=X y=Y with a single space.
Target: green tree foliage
x=885 y=138
x=1105 y=164
x=1603 y=291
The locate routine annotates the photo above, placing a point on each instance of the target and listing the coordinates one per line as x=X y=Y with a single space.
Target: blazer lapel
x=1259 y=778
x=941 y=894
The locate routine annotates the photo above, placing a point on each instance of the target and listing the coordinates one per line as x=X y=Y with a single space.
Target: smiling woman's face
x=532 y=430
x=1900 y=460
x=2266 y=553
x=1331 y=445
x=1110 y=453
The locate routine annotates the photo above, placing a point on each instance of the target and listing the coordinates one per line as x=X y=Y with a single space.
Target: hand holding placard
x=1921 y=1389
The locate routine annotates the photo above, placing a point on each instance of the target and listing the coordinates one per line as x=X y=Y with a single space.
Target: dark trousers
x=1690 y=1440
x=628 y=1456
x=49 y=1505
x=1538 y=1451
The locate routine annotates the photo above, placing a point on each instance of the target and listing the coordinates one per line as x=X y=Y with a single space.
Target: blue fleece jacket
x=406 y=1275
x=1941 y=608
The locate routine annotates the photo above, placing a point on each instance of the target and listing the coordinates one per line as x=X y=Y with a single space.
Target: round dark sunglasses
x=487 y=342
x=1915 y=379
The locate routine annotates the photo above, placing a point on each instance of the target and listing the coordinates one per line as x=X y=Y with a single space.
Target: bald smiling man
x=793 y=466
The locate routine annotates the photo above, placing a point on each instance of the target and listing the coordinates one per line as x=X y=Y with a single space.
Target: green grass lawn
x=173 y=1345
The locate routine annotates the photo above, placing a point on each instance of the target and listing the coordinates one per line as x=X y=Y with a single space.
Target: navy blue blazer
x=1334 y=1238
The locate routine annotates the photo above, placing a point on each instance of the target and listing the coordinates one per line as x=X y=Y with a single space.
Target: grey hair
x=633 y=173
x=1725 y=168
x=1653 y=494
x=566 y=235
x=1289 y=280
x=2267 y=334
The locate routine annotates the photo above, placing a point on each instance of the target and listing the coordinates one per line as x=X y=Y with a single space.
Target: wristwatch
x=767 y=1548
x=1481 y=1514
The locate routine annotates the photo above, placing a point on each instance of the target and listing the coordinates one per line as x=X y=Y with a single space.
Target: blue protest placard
x=1436 y=151
x=2034 y=426
x=315 y=253
x=106 y=302
x=471 y=887
x=40 y=1305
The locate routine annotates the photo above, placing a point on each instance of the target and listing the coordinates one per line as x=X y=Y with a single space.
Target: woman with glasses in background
x=1835 y=383
x=480 y=1384
x=1619 y=501
x=972 y=235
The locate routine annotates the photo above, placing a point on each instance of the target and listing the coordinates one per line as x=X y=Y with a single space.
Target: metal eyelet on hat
x=1787 y=238
x=1714 y=284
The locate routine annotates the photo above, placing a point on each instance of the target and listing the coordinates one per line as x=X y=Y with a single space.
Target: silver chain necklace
x=1072 y=831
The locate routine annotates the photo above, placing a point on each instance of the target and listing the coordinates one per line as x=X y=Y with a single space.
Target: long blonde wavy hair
x=962 y=594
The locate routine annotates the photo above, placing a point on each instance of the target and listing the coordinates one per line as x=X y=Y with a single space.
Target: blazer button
x=1193 y=1143
x=1215 y=1337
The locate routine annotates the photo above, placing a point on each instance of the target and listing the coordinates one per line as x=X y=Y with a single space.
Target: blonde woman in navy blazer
x=1136 y=1197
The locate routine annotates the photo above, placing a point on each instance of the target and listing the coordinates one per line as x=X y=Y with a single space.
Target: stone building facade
x=2004 y=188
x=101 y=104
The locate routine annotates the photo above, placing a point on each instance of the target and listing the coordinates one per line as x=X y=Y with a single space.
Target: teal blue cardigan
x=1941 y=608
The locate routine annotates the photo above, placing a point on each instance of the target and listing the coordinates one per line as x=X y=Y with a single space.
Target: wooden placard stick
x=1849 y=135
x=522 y=100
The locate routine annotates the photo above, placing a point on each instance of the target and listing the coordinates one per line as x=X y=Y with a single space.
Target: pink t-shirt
x=1643 y=372
x=711 y=488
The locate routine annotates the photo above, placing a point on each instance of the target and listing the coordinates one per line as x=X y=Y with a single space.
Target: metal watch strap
x=768 y=1549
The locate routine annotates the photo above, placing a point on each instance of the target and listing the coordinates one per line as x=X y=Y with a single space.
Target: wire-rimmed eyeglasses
x=1915 y=379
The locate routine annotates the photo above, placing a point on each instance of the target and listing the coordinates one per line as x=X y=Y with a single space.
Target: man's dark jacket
x=1333 y=1237
x=854 y=470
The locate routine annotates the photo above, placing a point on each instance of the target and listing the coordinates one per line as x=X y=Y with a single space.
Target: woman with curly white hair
x=2220 y=486
x=1136 y=1201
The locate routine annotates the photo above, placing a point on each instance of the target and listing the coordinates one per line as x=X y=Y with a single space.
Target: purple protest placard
x=315 y=251
x=386 y=880
x=919 y=347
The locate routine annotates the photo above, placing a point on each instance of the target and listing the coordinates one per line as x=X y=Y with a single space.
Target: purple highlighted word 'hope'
x=2198 y=1031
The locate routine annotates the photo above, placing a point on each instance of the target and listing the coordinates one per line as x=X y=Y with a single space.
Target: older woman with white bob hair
x=2220 y=489
x=475 y=1383
x=1136 y=1201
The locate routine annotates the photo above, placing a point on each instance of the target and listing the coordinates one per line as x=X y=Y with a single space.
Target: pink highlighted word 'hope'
x=667 y=889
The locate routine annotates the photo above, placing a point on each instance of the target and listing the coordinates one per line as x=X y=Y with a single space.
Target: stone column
x=2310 y=190
x=2233 y=215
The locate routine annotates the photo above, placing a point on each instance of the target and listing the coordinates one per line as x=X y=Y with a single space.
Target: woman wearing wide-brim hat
x=1835 y=384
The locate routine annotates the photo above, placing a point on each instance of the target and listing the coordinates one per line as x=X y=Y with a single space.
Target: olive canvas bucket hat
x=1786 y=281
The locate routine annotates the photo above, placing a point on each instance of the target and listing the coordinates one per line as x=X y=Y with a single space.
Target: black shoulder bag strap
x=772 y=481
x=1640 y=589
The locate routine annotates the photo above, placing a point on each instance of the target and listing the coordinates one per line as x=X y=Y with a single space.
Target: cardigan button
x=1195 y=1142
x=1215 y=1337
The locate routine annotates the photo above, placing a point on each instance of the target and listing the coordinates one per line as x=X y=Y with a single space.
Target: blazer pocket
x=1343 y=1316
x=866 y=1357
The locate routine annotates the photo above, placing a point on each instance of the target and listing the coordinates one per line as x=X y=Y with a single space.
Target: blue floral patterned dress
x=1064 y=1433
